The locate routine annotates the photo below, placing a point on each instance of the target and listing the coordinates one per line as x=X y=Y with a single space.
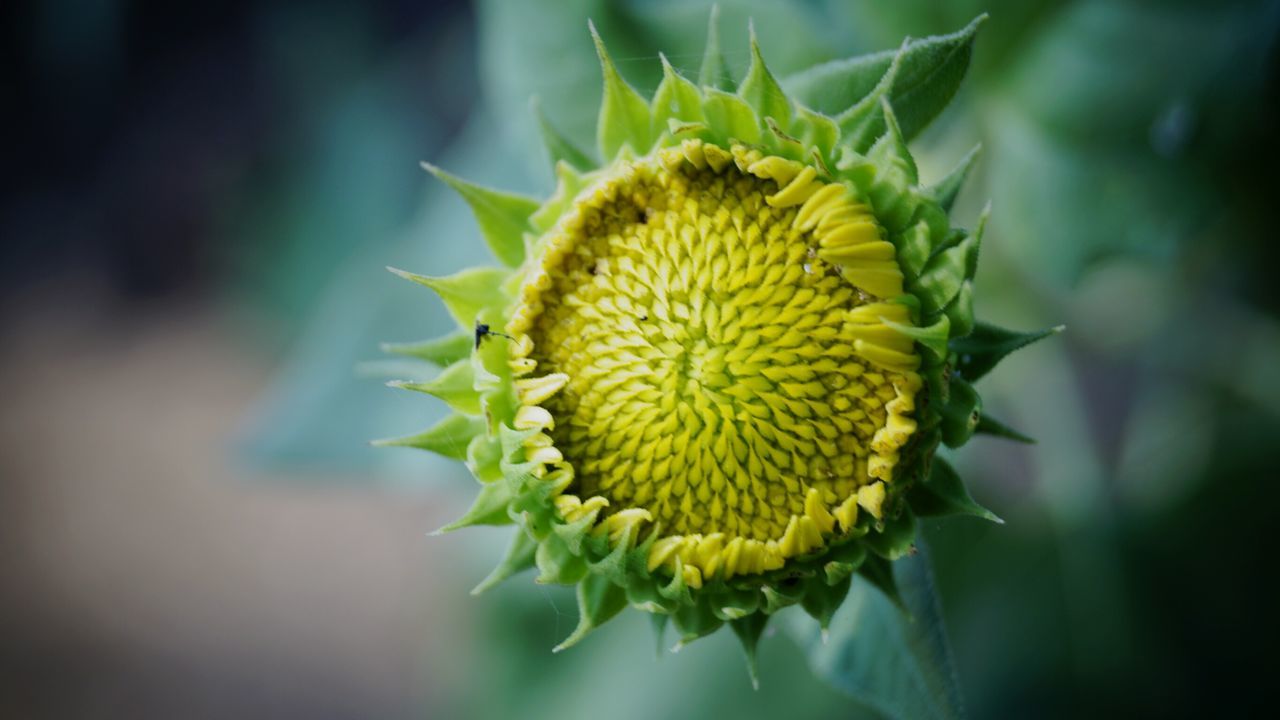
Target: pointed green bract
x=946 y=191
x=761 y=90
x=987 y=345
x=714 y=73
x=465 y=294
x=519 y=558
x=489 y=508
x=748 y=631
x=624 y=113
x=598 y=601
x=988 y=425
x=676 y=99
x=454 y=385
x=559 y=148
x=942 y=492
x=440 y=351
x=450 y=437
x=503 y=217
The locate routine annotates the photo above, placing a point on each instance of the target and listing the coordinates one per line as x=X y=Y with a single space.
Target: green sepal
x=943 y=275
x=932 y=337
x=781 y=595
x=559 y=148
x=693 y=621
x=729 y=603
x=484 y=458
x=942 y=492
x=762 y=92
x=816 y=131
x=503 y=217
x=489 y=508
x=714 y=73
x=599 y=600
x=731 y=117
x=676 y=99
x=465 y=294
x=748 y=630
x=624 y=113
x=891 y=148
x=557 y=563
x=648 y=596
x=988 y=425
x=658 y=624
x=676 y=590
x=895 y=537
x=569 y=182
x=574 y=533
x=822 y=600
x=960 y=413
x=454 y=385
x=914 y=246
x=439 y=351
x=519 y=557
x=843 y=561
x=947 y=189
x=975 y=249
x=879 y=572
x=980 y=351
x=960 y=310
x=614 y=565
x=451 y=437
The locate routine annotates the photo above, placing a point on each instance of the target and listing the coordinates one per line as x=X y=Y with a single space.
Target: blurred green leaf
x=898 y=663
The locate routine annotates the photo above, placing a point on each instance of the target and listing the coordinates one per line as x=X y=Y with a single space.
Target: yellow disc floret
x=706 y=344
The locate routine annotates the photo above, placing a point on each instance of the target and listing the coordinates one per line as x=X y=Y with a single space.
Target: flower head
x=712 y=377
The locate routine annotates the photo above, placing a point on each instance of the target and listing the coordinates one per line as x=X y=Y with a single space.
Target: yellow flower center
x=712 y=326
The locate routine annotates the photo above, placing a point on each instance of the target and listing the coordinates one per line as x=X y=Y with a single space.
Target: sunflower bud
x=711 y=376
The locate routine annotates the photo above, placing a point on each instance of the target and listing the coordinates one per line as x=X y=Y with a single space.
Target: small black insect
x=482 y=330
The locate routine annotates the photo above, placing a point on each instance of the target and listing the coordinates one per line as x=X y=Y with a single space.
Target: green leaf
x=897 y=663
x=559 y=148
x=714 y=73
x=503 y=217
x=761 y=90
x=624 y=113
x=942 y=492
x=987 y=345
x=988 y=425
x=948 y=188
x=439 y=351
x=927 y=75
x=519 y=558
x=454 y=385
x=598 y=601
x=449 y=437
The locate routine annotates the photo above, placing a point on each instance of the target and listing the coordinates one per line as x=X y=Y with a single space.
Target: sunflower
x=710 y=378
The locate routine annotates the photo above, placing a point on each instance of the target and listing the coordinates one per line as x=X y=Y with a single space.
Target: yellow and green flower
x=711 y=373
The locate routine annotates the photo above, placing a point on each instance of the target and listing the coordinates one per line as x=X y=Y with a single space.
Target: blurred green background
x=196 y=215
